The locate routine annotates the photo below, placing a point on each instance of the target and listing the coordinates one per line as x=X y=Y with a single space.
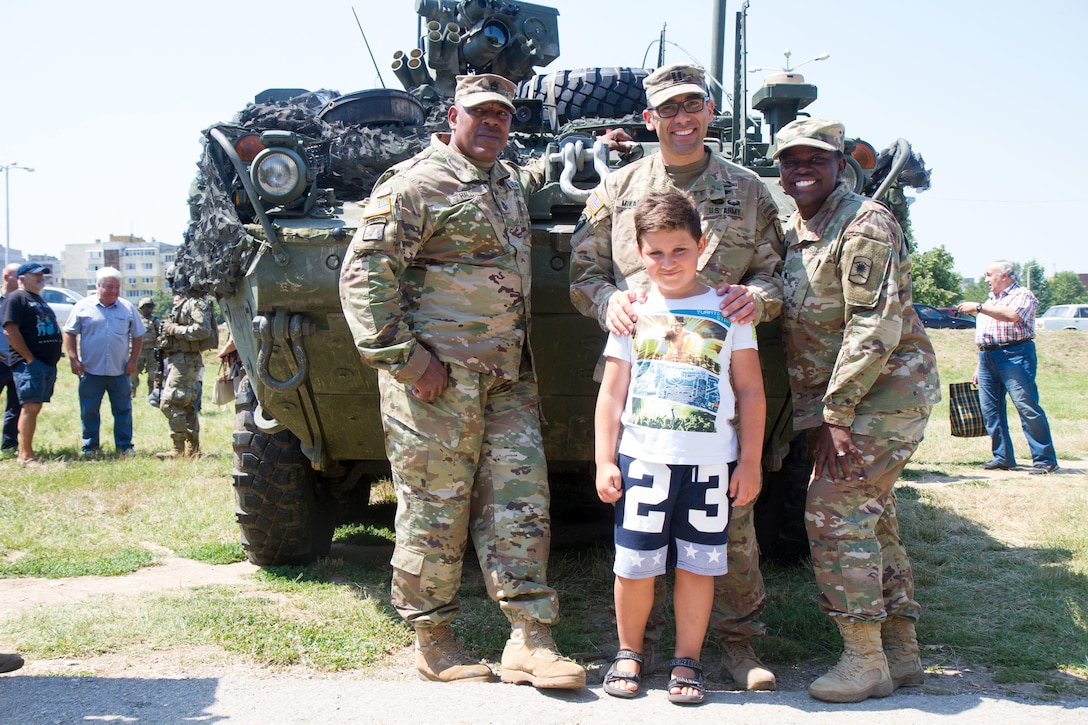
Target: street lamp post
x=788 y=68
x=7 y=209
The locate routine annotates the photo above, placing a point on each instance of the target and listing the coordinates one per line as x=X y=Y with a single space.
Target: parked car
x=955 y=312
x=1063 y=317
x=934 y=318
x=61 y=299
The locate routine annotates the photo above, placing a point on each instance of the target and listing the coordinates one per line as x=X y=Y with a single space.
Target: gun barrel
x=400 y=70
x=418 y=72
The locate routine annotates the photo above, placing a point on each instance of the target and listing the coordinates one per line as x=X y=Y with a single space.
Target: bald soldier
x=435 y=287
x=864 y=378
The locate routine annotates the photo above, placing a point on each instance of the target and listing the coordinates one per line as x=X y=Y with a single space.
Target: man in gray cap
x=435 y=287
x=743 y=258
x=864 y=378
x=35 y=338
x=146 y=363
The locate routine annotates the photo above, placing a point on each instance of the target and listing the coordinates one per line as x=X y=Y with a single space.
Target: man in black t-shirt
x=35 y=337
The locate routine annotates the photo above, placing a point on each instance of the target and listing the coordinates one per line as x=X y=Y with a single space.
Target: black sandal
x=615 y=675
x=696 y=682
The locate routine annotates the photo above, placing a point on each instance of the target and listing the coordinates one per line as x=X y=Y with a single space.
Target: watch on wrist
x=979 y=308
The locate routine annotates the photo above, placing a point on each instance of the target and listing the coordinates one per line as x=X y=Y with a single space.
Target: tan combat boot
x=861 y=672
x=178 y=452
x=440 y=657
x=745 y=667
x=194 y=445
x=901 y=649
x=530 y=656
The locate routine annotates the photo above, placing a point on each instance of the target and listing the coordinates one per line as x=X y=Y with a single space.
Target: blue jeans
x=1012 y=370
x=91 y=390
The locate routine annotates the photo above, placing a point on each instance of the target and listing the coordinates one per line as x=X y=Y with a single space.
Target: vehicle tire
x=282 y=517
x=588 y=93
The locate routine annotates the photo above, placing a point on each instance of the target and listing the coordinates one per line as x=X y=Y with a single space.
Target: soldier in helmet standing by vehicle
x=186 y=333
x=146 y=362
x=435 y=287
x=743 y=259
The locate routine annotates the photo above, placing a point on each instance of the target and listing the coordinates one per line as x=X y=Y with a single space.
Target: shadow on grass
x=1019 y=610
x=997 y=619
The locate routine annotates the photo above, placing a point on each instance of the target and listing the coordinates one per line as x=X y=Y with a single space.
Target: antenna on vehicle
x=367 y=44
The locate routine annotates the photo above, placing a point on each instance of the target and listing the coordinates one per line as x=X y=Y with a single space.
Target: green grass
x=1001 y=566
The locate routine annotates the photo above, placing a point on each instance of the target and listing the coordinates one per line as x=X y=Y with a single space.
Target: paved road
x=29 y=700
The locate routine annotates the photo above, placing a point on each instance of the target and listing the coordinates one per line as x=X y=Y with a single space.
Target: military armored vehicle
x=279 y=195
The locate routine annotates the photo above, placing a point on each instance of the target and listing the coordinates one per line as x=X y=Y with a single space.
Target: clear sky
x=106 y=100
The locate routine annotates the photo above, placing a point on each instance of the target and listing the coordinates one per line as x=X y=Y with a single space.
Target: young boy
x=667 y=389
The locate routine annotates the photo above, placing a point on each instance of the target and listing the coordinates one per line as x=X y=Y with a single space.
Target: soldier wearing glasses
x=742 y=260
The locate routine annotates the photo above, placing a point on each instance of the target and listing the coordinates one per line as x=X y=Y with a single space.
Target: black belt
x=1002 y=346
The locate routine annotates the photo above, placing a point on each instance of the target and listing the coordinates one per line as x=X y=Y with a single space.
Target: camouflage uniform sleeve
x=592 y=280
x=198 y=329
x=389 y=235
x=531 y=176
x=869 y=265
x=764 y=275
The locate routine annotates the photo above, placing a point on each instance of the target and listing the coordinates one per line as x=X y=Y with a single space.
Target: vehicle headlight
x=279 y=175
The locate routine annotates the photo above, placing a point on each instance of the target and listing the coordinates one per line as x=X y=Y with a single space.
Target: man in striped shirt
x=1005 y=336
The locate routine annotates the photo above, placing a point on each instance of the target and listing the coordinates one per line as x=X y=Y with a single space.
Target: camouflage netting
x=346 y=159
x=914 y=173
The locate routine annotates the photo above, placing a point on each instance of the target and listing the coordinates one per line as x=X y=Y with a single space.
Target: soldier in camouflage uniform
x=435 y=287
x=864 y=378
x=146 y=362
x=189 y=330
x=742 y=259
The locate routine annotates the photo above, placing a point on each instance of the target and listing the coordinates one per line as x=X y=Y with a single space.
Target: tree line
x=937 y=284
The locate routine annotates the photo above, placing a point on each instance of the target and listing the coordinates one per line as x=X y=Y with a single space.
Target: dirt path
x=947 y=675
x=172 y=573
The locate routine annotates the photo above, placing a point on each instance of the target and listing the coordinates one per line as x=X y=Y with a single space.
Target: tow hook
x=270 y=332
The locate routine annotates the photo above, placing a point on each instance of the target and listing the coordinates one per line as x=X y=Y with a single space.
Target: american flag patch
x=377 y=207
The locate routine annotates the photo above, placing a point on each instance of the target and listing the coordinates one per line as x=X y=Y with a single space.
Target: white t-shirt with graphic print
x=680 y=402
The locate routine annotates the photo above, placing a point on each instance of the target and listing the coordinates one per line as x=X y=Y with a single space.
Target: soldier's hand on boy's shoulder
x=621 y=317
x=738 y=303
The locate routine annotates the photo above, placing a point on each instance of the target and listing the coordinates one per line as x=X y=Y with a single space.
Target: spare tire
x=587 y=93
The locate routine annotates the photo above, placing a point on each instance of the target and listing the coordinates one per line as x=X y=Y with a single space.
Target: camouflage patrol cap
x=144 y=302
x=485 y=88
x=673 y=80
x=821 y=133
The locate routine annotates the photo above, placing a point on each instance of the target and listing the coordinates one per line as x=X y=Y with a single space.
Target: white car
x=61 y=299
x=1063 y=317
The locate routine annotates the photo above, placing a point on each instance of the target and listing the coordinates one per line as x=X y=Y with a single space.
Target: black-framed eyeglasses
x=692 y=105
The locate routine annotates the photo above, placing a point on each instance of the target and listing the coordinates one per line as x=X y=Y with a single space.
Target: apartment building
x=142 y=264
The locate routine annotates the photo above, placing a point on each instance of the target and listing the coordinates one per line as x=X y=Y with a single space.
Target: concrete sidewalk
x=288 y=701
